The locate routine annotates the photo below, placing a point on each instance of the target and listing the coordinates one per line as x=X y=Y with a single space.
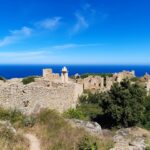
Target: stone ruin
x=54 y=91
x=118 y=77
x=105 y=83
x=145 y=80
x=49 y=91
x=49 y=75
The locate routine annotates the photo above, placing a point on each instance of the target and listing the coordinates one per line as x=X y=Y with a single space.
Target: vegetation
x=11 y=141
x=124 y=105
x=146 y=122
x=76 y=114
x=2 y=78
x=47 y=125
x=28 y=80
x=96 y=74
x=135 y=79
x=86 y=144
x=17 y=118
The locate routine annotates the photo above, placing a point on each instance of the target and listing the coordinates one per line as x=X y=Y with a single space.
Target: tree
x=124 y=103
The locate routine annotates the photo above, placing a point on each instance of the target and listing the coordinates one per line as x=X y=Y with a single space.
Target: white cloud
x=81 y=23
x=15 y=35
x=71 y=45
x=50 y=23
x=65 y=46
x=84 y=18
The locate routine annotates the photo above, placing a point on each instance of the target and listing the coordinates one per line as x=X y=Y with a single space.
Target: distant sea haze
x=19 y=71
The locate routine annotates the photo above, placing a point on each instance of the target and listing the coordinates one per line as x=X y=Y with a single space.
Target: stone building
x=93 y=82
x=118 y=77
x=105 y=83
x=48 y=74
x=44 y=92
x=64 y=75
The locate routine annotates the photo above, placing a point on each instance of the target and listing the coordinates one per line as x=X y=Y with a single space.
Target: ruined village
x=58 y=92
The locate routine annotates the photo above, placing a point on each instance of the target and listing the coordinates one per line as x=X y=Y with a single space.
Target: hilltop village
x=57 y=92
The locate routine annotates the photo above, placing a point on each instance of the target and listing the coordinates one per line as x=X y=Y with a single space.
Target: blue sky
x=74 y=32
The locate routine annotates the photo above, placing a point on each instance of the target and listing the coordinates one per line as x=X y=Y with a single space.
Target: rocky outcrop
x=130 y=139
x=91 y=127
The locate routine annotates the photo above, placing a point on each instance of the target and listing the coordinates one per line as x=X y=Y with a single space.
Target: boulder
x=92 y=127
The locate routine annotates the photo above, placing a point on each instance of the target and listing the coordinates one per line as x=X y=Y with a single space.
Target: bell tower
x=64 y=75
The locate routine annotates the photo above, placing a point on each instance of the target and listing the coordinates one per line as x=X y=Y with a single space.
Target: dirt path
x=34 y=142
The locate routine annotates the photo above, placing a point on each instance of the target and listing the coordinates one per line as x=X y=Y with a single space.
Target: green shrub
x=90 y=110
x=29 y=121
x=14 y=116
x=4 y=114
x=76 y=114
x=124 y=104
x=90 y=98
x=146 y=122
x=28 y=80
x=134 y=79
x=2 y=78
x=96 y=74
x=87 y=144
x=147 y=148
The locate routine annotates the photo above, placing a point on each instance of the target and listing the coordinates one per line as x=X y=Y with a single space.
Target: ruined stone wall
x=48 y=74
x=34 y=96
x=118 y=77
x=93 y=82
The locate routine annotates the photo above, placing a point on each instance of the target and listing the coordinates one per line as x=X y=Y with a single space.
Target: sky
x=75 y=32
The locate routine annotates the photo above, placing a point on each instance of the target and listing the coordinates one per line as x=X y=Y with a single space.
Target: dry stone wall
x=32 y=97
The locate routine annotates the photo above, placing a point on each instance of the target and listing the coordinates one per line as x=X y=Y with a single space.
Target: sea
x=20 y=71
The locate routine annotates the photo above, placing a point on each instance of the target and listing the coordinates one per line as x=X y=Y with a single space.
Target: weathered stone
x=125 y=139
x=43 y=93
x=92 y=127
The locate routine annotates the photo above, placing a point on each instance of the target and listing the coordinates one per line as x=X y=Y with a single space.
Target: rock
x=124 y=139
x=123 y=132
x=138 y=143
x=92 y=127
x=118 y=138
x=107 y=132
x=8 y=125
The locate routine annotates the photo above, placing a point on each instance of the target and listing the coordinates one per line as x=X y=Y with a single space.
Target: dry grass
x=56 y=134
x=11 y=141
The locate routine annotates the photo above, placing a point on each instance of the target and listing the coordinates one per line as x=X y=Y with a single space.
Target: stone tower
x=64 y=75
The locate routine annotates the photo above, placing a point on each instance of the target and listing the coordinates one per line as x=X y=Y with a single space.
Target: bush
x=124 y=104
x=29 y=121
x=90 y=110
x=3 y=79
x=76 y=114
x=90 y=98
x=146 y=122
x=134 y=79
x=28 y=80
x=17 y=118
x=96 y=74
x=87 y=144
